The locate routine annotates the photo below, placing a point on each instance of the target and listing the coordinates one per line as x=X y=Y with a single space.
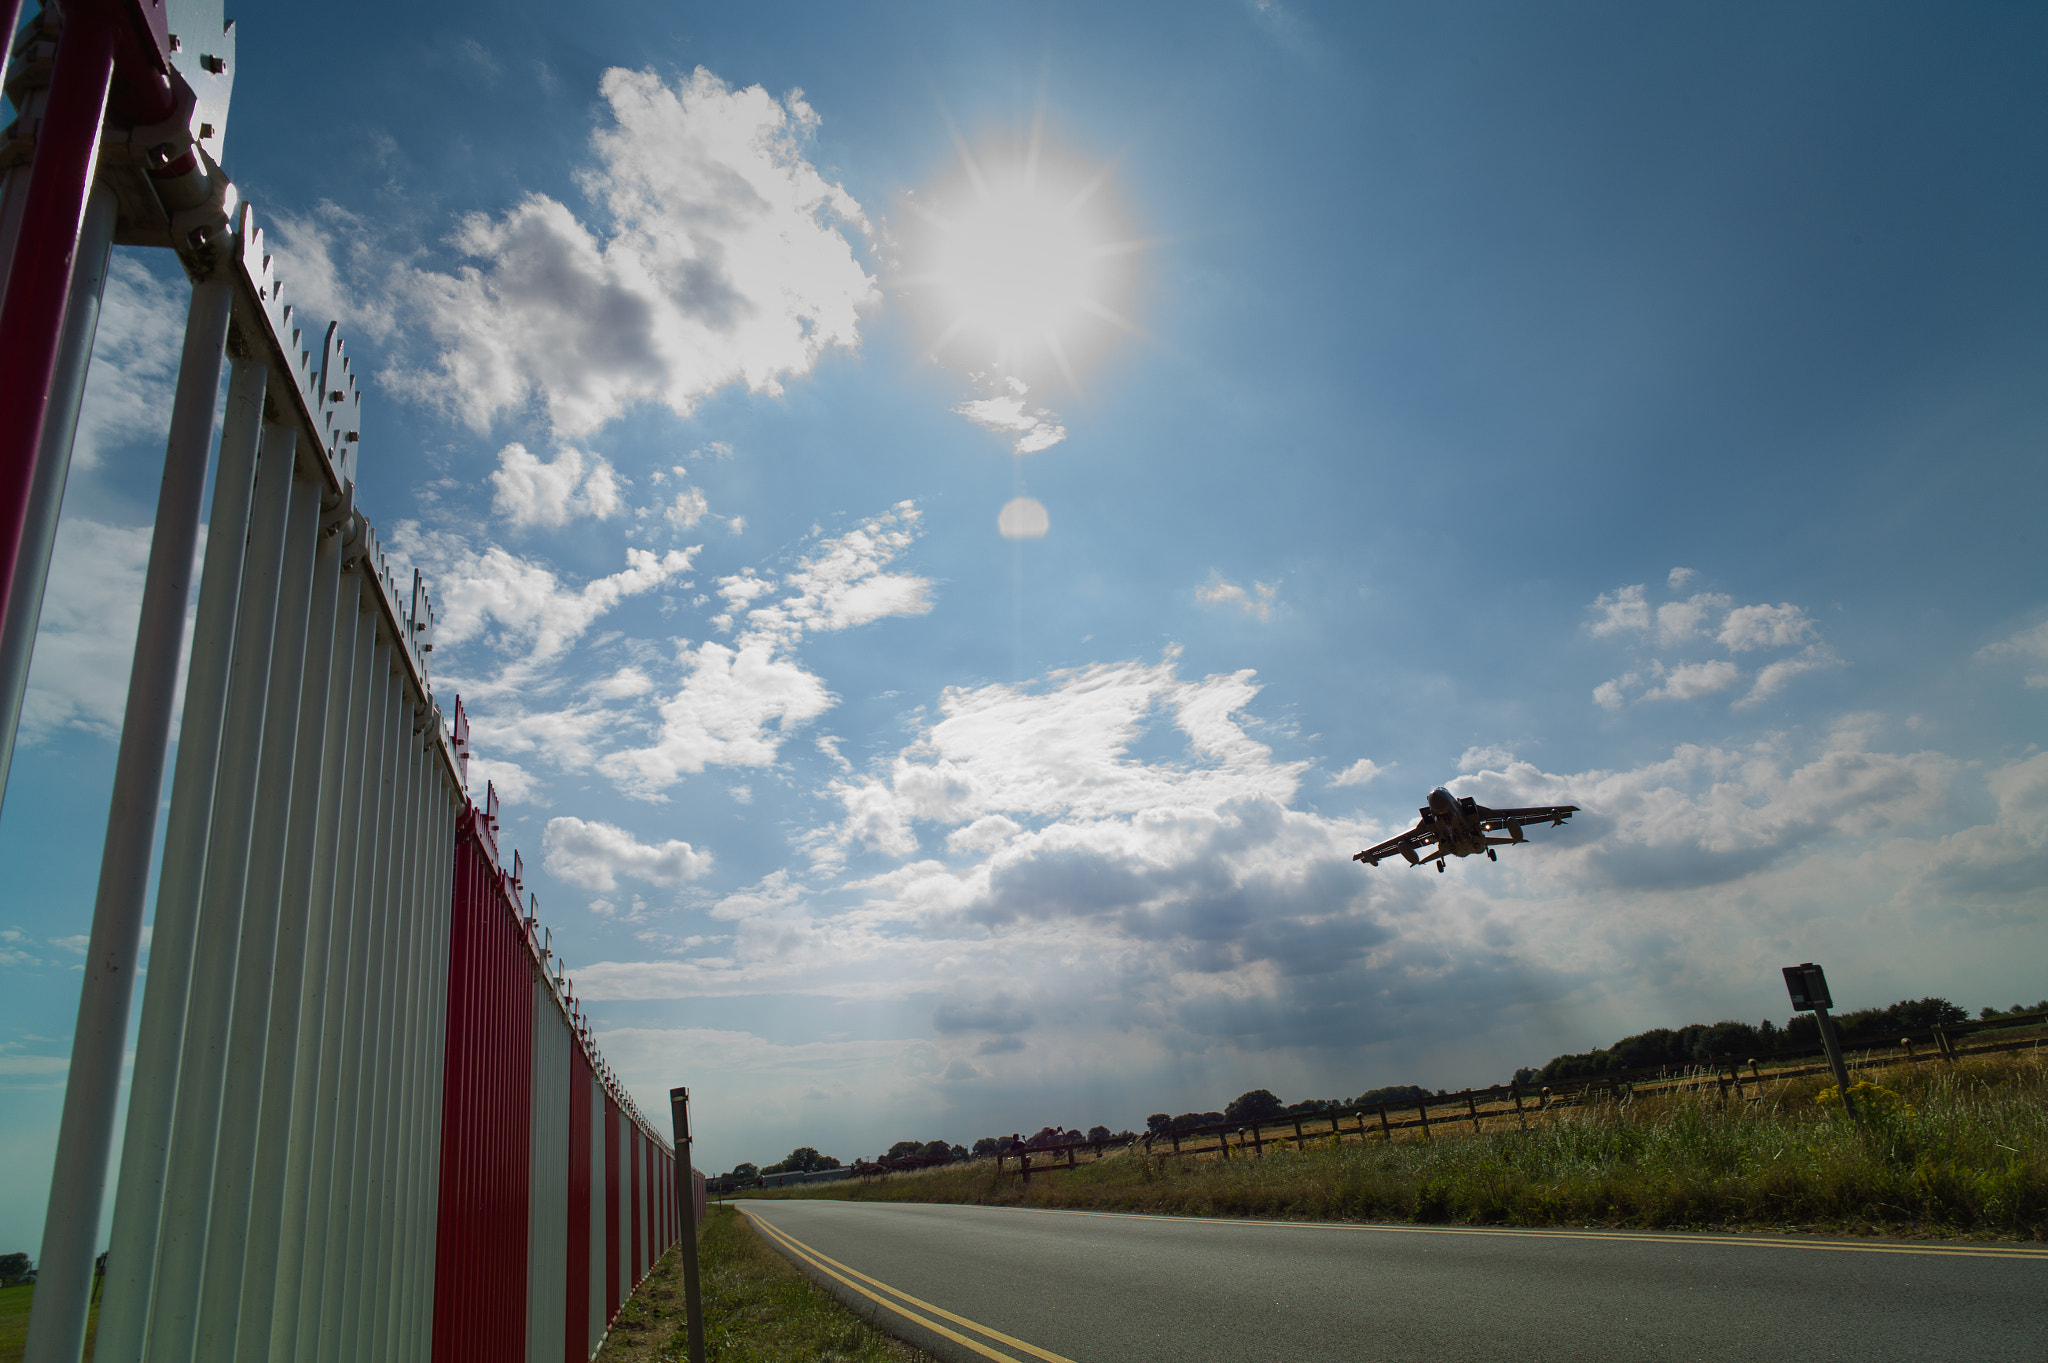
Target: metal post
x=299 y=747
x=312 y=1076
x=1833 y=1044
x=138 y=1203
x=39 y=274
x=210 y=1016
x=53 y=464
x=271 y=953
x=686 y=1206
x=78 y=1181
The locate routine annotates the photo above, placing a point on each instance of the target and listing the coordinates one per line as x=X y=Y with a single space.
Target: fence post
x=1422 y=1106
x=1515 y=1093
x=686 y=1201
x=1472 y=1107
x=1386 y=1127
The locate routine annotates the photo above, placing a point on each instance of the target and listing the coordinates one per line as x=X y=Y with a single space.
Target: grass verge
x=14 y=1309
x=1967 y=1155
x=757 y=1309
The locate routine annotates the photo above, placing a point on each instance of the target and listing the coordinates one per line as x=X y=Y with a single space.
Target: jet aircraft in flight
x=1459 y=828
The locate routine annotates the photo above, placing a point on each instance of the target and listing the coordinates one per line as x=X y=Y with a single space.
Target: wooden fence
x=1471 y=1109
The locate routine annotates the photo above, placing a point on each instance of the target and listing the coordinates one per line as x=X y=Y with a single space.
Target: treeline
x=1701 y=1044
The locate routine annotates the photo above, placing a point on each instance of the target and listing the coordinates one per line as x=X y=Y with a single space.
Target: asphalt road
x=980 y=1283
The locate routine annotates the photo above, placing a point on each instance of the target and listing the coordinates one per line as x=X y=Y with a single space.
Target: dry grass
x=757 y=1309
x=1970 y=1159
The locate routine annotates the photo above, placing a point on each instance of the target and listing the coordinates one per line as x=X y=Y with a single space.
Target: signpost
x=1808 y=987
x=686 y=1198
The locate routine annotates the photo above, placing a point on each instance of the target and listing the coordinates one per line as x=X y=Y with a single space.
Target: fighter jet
x=1459 y=828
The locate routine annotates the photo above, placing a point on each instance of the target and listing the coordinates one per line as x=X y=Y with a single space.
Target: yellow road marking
x=819 y=1260
x=1753 y=1242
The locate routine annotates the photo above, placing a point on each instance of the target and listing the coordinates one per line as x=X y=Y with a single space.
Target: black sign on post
x=1808 y=986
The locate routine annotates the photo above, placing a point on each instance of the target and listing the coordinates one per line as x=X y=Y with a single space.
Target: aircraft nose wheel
x=1490 y=856
x=1439 y=868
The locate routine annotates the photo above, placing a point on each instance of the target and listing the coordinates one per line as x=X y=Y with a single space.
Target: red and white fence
x=366 y=1118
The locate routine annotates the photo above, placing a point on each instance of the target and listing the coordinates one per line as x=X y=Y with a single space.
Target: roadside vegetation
x=757 y=1309
x=1962 y=1150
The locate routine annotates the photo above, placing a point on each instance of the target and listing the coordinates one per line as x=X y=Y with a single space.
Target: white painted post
x=127 y=1290
x=196 y=1119
x=271 y=950
x=78 y=1180
x=312 y=1076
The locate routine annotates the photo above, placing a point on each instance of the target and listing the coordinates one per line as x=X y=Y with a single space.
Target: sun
x=1020 y=259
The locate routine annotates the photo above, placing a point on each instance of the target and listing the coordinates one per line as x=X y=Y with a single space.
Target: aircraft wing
x=1492 y=819
x=1404 y=846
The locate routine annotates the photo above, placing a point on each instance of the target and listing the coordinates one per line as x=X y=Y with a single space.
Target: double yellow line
x=833 y=1269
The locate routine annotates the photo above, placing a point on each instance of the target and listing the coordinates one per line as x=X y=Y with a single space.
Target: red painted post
x=39 y=276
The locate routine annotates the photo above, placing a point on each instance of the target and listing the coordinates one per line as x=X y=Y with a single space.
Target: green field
x=1970 y=1157
x=14 y=1306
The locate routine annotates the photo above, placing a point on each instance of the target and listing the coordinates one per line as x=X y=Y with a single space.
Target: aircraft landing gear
x=1490 y=855
x=1439 y=866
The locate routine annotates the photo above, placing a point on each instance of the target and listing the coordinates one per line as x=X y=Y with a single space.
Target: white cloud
x=1813 y=658
x=1704 y=619
x=1005 y=412
x=1360 y=773
x=738 y=702
x=595 y=855
x=723 y=260
x=536 y=616
x=1621 y=610
x=1688 y=681
x=1257 y=602
x=530 y=492
x=1480 y=758
x=2027 y=645
x=134 y=360
x=1753 y=627
x=85 y=642
x=514 y=784
x=687 y=509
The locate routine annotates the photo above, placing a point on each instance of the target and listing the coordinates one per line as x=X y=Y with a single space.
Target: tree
x=987 y=1145
x=804 y=1159
x=745 y=1172
x=1098 y=1133
x=904 y=1149
x=958 y=1152
x=1255 y=1106
x=12 y=1266
x=1158 y=1123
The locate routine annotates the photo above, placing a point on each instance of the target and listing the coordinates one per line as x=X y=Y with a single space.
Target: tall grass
x=1971 y=1157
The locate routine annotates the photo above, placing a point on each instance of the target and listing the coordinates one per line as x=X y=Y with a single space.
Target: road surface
x=972 y=1284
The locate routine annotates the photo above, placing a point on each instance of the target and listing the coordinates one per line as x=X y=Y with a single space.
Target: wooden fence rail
x=1472 y=1107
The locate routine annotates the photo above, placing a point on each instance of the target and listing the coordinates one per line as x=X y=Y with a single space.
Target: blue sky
x=1635 y=408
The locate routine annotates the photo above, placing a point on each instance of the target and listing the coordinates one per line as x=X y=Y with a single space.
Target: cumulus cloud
x=739 y=702
x=1702 y=621
x=1258 y=602
x=85 y=637
x=723 y=259
x=533 y=492
x=1360 y=773
x=596 y=855
x=2029 y=646
x=134 y=360
x=519 y=604
x=1032 y=428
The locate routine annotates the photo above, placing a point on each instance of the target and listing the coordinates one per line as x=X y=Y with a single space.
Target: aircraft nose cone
x=1439 y=798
